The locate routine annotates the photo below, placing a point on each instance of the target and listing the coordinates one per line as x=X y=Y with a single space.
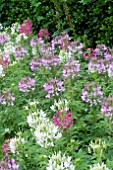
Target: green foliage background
x=92 y=18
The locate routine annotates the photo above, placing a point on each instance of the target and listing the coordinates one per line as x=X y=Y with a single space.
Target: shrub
x=82 y=17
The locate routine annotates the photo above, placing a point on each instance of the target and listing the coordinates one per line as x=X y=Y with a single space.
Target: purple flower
x=8 y=163
x=4 y=37
x=53 y=87
x=47 y=63
x=71 y=68
x=107 y=107
x=92 y=93
x=6 y=98
x=26 y=84
x=20 y=52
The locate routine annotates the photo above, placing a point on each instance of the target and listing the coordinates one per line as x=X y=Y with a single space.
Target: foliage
x=90 y=18
x=56 y=101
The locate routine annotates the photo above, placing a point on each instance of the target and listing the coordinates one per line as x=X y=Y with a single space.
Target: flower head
x=59 y=161
x=26 y=84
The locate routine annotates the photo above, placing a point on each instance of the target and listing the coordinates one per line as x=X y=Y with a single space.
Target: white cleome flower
x=1 y=69
x=9 y=47
x=46 y=133
x=36 y=117
x=44 y=130
x=15 y=28
x=64 y=55
x=62 y=104
x=99 y=167
x=60 y=161
x=15 y=142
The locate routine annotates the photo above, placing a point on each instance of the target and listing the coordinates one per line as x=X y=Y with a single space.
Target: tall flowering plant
x=63 y=119
x=6 y=98
x=53 y=87
x=26 y=27
x=26 y=84
x=92 y=93
x=107 y=107
x=7 y=163
x=43 y=33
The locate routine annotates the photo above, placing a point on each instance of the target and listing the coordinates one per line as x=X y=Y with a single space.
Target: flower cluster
x=44 y=130
x=63 y=41
x=40 y=47
x=92 y=93
x=9 y=48
x=64 y=55
x=14 y=143
x=107 y=107
x=99 y=167
x=20 y=52
x=71 y=68
x=110 y=70
x=45 y=62
x=90 y=52
x=60 y=161
x=26 y=27
x=97 y=65
x=76 y=48
x=8 y=163
x=4 y=37
x=43 y=33
x=6 y=98
x=26 y=84
x=3 y=64
x=53 y=87
x=97 y=147
x=62 y=104
x=63 y=119
x=14 y=28
x=103 y=62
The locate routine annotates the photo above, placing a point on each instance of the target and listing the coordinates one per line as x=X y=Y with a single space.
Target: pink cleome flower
x=26 y=27
x=63 y=119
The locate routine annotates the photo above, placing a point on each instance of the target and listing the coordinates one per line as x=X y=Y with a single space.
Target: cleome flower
x=53 y=87
x=45 y=131
x=6 y=98
x=92 y=93
x=63 y=119
x=26 y=84
x=71 y=68
x=15 y=142
x=99 y=167
x=62 y=104
x=107 y=107
x=59 y=161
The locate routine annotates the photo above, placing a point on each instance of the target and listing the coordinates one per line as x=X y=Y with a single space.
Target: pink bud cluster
x=6 y=98
x=63 y=119
x=43 y=33
x=107 y=107
x=71 y=68
x=26 y=27
x=26 y=84
x=92 y=93
x=53 y=87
